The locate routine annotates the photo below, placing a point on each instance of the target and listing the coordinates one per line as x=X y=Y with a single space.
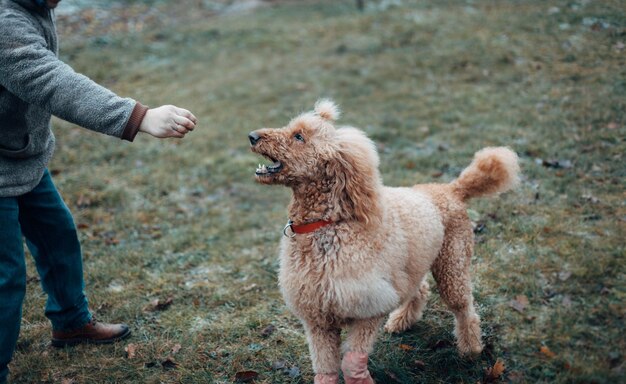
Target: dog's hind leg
x=359 y=343
x=451 y=272
x=324 y=343
x=410 y=312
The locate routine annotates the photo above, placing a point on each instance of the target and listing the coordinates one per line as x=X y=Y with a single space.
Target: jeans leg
x=12 y=281
x=51 y=237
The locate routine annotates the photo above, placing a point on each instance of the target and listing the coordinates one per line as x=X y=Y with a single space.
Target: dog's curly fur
x=371 y=261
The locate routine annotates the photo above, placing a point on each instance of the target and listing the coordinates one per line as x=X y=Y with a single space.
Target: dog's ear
x=327 y=109
x=357 y=184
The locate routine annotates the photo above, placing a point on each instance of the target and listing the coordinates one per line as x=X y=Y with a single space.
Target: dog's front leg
x=324 y=342
x=358 y=345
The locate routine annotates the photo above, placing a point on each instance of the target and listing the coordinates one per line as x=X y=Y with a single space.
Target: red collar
x=304 y=228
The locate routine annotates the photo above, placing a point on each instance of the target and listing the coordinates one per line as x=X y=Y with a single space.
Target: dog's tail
x=494 y=170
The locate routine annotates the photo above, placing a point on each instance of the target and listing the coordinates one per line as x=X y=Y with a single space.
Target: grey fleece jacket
x=35 y=84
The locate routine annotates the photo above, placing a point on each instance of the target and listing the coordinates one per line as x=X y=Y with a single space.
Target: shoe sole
x=72 y=342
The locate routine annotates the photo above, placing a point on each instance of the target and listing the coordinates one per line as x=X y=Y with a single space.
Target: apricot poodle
x=356 y=251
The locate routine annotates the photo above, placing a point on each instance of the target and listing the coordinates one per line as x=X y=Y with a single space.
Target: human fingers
x=185 y=122
x=185 y=113
x=177 y=131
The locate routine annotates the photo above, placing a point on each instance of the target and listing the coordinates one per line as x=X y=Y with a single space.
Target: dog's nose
x=254 y=138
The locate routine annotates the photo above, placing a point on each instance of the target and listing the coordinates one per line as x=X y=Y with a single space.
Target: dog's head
x=311 y=151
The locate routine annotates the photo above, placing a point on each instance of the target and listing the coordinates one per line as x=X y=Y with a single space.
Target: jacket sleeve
x=29 y=70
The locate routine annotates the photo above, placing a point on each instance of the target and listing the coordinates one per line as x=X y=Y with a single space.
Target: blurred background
x=181 y=243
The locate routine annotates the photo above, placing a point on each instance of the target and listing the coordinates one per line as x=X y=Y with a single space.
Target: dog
x=356 y=251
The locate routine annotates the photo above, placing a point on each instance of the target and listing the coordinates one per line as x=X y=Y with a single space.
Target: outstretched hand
x=168 y=121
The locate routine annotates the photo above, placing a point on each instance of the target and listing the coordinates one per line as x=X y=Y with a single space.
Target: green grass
x=431 y=82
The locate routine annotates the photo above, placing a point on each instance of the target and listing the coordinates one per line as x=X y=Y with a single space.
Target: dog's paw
x=469 y=341
x=470 y=347
x=326 y=378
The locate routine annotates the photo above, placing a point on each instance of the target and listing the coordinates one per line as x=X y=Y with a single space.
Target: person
x=35 y=84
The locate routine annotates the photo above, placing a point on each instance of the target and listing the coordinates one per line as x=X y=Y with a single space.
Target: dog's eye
x=298 y=137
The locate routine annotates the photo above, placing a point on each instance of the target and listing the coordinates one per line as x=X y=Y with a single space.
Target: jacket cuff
x=132 y=126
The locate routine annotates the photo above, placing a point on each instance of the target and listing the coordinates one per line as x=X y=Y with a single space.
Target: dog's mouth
x=270 y=169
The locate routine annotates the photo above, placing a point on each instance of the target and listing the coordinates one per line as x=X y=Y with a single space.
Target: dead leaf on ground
x=267 y=331
x=66 y=380
x=176 y=348
x=494 y=373
x=547 y=352
x=564 y=275
x=590 y=198
x=294 y=372
x=246 y=376
x=131 y=350
x=169 y=363
x=159 y=305
x=567 y=301
x=279 y=364
x=519 y=303
x=83 y=201
x=515 y=377
x=406 y=347
x=557 y=164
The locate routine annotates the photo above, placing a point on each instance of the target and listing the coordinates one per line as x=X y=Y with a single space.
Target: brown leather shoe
x=93 y=332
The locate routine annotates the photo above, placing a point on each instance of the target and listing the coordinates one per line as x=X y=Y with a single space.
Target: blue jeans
x=44 y=220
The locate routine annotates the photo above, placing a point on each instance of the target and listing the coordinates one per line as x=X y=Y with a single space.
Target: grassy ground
x=431 y=82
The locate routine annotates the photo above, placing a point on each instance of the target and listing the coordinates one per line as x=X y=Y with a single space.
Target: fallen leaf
x=519 y=303
x=267 y=331
x=494 y=373
x=169 y=363
x=564 y=275
x=590 y=198
x=420 y=364
x=159 y=305
x=437 y=174
x=406 y=347
x=249 y=288
x=176 y=348
x=131 y=350
x=567 y=301
x=547 y=352
x=83 y=201
x=66 y=380
x=563 y=164
x=246 y=376
x=279 y=364
x=515 y=377
x=294 y=372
